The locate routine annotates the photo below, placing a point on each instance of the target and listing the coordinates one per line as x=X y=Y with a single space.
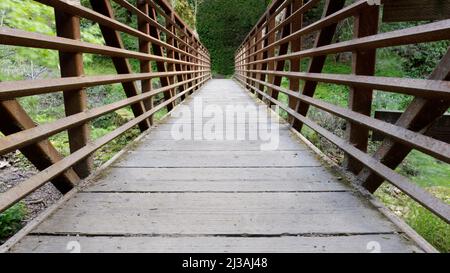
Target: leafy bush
x=222 y=26
x=11 y=220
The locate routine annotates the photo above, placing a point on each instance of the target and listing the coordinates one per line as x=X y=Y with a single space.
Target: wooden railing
x=276 y=43
x=165 y=43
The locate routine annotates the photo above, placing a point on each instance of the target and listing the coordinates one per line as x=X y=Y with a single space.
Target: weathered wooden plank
x=215 y=213
x=171 y=145
x=216 y=179
x=207 y=159
x=200 y=244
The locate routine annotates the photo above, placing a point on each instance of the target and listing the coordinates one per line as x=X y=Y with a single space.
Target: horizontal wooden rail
x=272 y=52
x=420 y=34
x=34 y=40
x=10 y=90
x=415 y=87
x=181 y=62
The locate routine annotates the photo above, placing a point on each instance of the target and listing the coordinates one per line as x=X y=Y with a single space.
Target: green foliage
x=34 y=17
x=421 y=59
x=222 y=26
x=11 y=220
x=429 y=226
x=185 y=9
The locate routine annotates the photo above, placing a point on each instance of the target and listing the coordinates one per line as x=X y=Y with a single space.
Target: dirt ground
x=13 y=171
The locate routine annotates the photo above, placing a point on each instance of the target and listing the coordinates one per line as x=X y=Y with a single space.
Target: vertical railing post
x=197 y=62
x=251 y=44
x=296 y=45
x=158 y=50
x=246 y=61
x=144 y=47
x=360 y=98
x=260 y=56
x=257 y=47
x=270 y=52
x=189 y=59
x=75 y=101
x=283 y=49
x=170 y=53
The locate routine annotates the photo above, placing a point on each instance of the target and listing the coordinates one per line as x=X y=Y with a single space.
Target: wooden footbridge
x=200 y=194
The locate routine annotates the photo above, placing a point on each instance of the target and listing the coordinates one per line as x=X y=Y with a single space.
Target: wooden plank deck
x=216 y=196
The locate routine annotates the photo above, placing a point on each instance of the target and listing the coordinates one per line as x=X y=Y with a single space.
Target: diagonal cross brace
x=42 y=154
x=324 y=37
x=113 y=38
x=418 y=117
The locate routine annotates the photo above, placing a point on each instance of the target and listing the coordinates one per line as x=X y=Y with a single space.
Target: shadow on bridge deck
x=167 y=195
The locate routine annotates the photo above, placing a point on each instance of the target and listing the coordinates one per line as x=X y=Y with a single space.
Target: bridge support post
x=261 y=66
x=360 y=98
x=257 y=46
x=189 y=59
x=158 y=51
x=75 y=101
x=171 y=54
x=296 y=45
x=270 y=53
x=144 y=47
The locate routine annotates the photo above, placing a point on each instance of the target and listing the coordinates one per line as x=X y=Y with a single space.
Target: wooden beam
x=283 y=49
x=188 y=58
x=113 y=39
x=324 y=37
x=256 y=46
x=41 y=154
x=418 y=117
x=261 y=66
x=160 y=66
x=360 y=99
x=296 y=45
x=75 y=101
x=170 y=53
x=144 y=47
x=440 y=129
x=270 y=53
x=416 y=10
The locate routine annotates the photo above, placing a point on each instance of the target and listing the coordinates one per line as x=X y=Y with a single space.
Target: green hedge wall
x=223 y=24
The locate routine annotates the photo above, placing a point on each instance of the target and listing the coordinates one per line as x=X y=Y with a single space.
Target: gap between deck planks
x=216 y=196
